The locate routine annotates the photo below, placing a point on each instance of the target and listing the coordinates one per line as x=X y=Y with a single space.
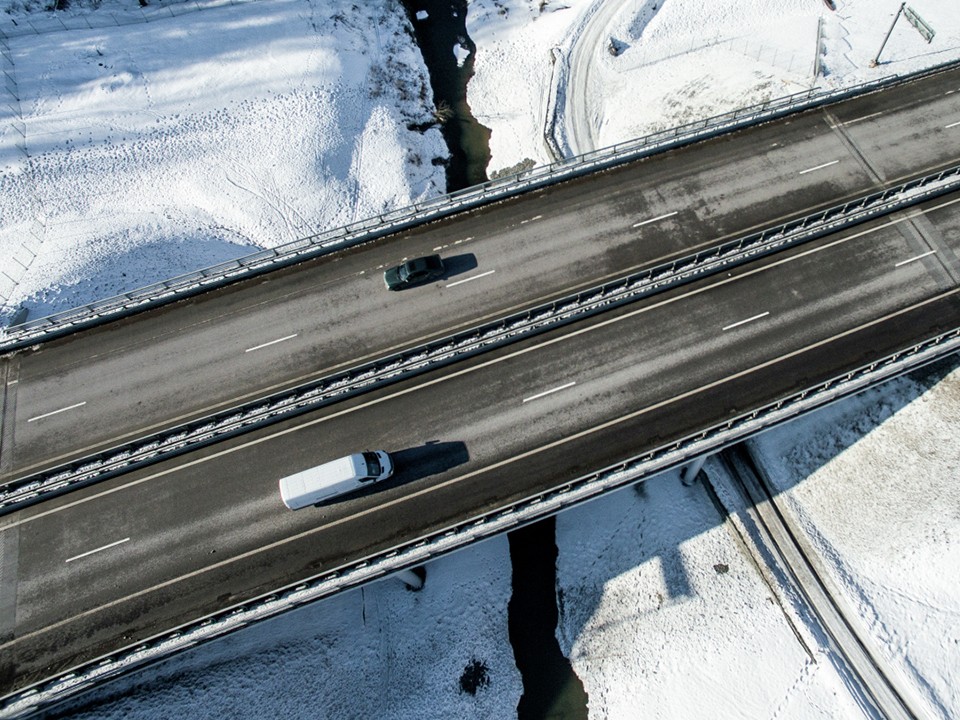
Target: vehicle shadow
x=410 y=464
x=458 y=265
x=431 y=458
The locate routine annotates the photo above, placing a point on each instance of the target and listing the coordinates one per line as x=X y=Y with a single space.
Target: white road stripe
x=749 y=319
x=475 y=277
x=818 y=167
x=914 y=259
x=91 y=552
x=951 y=125
x=653 y=220
x=13 y=382
x=865 y=117
x=549 y=392
x=71 y=407
x=536 y=217
x=272 y=342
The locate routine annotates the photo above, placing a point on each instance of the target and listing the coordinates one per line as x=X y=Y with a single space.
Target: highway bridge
x=111 y=564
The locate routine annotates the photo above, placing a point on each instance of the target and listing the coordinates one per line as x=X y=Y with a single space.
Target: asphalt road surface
x=90 y=391
x=113 y=563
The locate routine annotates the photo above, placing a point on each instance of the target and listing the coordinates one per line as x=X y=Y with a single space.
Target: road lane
x=191 y=358
x=209 y=529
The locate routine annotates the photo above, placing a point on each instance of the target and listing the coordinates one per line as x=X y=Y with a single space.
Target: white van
x=336 y=477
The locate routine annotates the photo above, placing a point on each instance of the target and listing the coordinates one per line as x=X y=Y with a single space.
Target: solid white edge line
x=653 y=220
x=749 y=319
x=91 y=552
x=818 y=167
x=71 y=407
x=549 y=392
x=272 y=342
x=475 y=277
x=914 y=259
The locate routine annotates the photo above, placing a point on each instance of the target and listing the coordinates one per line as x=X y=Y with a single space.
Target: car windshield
x=373 y=464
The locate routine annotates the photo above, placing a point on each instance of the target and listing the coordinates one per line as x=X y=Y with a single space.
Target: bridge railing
x=39 y=329
x=406 y=363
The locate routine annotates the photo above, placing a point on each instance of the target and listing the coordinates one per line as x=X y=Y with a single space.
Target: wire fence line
x=23 y=254
x=788 y=60
x=55 y=21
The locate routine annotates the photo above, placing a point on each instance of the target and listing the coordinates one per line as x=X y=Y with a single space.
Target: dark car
x=414 y=272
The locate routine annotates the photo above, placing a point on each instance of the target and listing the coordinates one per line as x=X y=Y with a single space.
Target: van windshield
x=373 y=464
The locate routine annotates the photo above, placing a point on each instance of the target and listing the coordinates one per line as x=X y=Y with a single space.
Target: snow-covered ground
x=155 y=148
x=666 y=610
x=161 y=147
x=678 y=61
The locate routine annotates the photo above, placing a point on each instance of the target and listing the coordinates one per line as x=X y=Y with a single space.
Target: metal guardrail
x=415 y=552
x=442 y=351
x=181 y=286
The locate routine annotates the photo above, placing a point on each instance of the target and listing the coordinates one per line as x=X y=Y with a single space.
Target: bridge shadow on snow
x=643 y=529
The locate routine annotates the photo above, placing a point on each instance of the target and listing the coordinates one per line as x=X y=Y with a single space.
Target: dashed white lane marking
x=653 y=220
x=55 y=412
x=438 y=248
x=272 y=342
x=549 y=392
x=861 y=119
x=475 y=277
x=535 y=217
x=744 y=322
x=818 y=167
x=91 y=552
x=13 y=382
x=914 y=259
x=951 y=125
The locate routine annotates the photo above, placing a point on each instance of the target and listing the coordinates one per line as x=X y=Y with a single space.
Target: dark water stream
x=551 y=689
x=441 y=29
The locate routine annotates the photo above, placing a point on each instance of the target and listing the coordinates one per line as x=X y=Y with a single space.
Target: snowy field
x=156 y=148
x=163 y=147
